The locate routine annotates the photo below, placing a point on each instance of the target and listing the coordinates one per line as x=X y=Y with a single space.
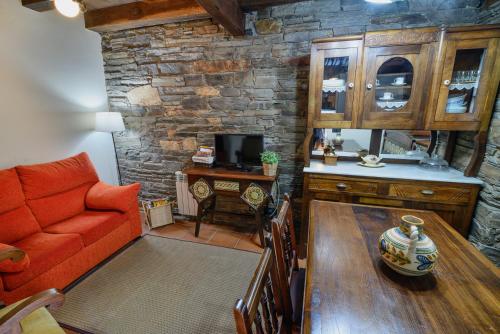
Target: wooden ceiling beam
x=226 y=12
x=38 y=5
x=143 y=13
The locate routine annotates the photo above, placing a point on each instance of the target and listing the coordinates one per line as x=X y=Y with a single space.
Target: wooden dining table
x=349 y=289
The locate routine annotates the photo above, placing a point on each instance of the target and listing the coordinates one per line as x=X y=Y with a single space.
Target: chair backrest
x=285 y=249
x=257 y=312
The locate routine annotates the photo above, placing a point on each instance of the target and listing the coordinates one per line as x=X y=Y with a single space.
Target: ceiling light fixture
x=70 y=8
x=380 y=1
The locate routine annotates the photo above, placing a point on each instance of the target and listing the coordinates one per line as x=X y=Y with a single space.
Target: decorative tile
x=255 y=196
x=201 y=190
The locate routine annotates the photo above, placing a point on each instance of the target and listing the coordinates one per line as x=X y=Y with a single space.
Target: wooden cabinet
x=466 y=81
x=454 y=202
x=335 y=76
x=394 y=79
x=422 y=78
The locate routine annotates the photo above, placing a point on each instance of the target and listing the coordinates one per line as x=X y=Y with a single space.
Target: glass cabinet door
x=335 y=86
x=467 y=67
x=393 y=86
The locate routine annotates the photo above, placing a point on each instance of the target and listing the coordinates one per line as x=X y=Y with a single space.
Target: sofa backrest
x=56 y=191
x=16 y=219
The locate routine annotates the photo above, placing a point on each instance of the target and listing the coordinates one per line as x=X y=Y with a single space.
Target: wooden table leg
x=260 y=227
x=199 y=216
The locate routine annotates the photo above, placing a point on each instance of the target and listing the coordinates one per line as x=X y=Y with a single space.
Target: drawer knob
x=341 y=186
x=427 y=192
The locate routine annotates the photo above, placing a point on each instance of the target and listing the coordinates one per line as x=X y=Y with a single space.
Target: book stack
x=204 y=157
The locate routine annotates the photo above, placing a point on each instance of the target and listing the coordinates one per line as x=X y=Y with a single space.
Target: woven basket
x=269 y=169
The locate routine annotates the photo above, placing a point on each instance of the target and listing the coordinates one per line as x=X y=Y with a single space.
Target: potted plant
x=329 y=155
x=269 y=162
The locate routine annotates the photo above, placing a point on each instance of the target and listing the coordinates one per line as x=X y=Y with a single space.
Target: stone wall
x=178 y=84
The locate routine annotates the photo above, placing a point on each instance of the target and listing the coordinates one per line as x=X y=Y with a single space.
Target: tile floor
x=217 y=235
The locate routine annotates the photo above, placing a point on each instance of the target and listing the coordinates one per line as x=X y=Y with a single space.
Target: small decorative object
x=338 y=140
x=362 y=153
x=158 y=212
x=269 y=162
x=406 y=249
x=330 y=156
x=371 y=159
x=254 y=195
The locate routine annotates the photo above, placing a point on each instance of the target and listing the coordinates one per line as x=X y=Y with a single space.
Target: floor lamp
x=110 y=122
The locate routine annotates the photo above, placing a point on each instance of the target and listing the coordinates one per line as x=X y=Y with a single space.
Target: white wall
x=51 y=85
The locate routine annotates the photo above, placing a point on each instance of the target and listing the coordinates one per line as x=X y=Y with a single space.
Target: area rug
x=161 y=285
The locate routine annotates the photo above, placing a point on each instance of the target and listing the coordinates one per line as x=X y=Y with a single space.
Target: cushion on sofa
x=45 y=251
x=90 y=225
x=9 y=266
x=56 y=208
x=103 y=196
x=55 y=177
x=16 y=220
x=11 y=193
x=17 y=224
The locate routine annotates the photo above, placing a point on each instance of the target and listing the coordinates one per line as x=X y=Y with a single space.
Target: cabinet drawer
x=343 y=186
x=430 y=193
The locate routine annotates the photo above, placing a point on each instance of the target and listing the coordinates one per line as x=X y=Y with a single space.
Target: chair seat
x=90 y=225
x=45 y=251
x=297 y=283
x=38 y=322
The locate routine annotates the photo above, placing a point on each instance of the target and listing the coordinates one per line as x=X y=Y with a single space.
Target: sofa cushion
x=55 y=177
x=9 y=266
x=45 y=251
x=90 y=225
x=11 y=193
x=16 y=220
x=56 y=191
x=103 y=196
x=17 y=224
x=53 y=209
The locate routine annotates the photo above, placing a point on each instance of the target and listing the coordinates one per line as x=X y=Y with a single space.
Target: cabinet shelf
x=394 y=74
x=393 y=87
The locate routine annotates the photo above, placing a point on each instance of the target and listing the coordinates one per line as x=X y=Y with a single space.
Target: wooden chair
x=258 y=311
x=30 y=315
x=291 y=277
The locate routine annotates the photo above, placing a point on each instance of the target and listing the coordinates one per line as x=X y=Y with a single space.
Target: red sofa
x=64 y=219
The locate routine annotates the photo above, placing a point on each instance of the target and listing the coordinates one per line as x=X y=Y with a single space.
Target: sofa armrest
x=12 y=259
x=11 y=253
x=103 y=196
x=10 y=321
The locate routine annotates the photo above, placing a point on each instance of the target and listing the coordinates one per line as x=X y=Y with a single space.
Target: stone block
x=230 y=92
x=268 y=26
x=194 y=80
x=195 y=102
x=220 y=66
x=170 y=145
x=189 y=144
x=219 y=79
x=177 y=81
x=207 y=91
x=144 y=96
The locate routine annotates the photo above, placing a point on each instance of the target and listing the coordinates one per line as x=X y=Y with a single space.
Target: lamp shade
x=109 y=122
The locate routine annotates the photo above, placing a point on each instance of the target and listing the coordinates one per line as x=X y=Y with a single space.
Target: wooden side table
x=253 y=188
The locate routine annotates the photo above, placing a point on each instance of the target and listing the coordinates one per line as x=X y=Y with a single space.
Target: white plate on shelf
x=364 y=164
x=397 y=84
x=386 y=99
x=453 y=109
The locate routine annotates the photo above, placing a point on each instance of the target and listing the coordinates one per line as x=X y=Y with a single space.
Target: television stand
x=252 y=187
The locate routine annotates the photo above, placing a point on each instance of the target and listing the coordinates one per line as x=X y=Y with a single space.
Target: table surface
x=350 y=290
x=224 y=173
x=391 y=171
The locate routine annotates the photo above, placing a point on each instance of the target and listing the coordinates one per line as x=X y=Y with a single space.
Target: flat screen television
x=238 y=150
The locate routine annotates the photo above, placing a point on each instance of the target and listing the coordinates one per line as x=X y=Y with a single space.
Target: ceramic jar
x=406 y=249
